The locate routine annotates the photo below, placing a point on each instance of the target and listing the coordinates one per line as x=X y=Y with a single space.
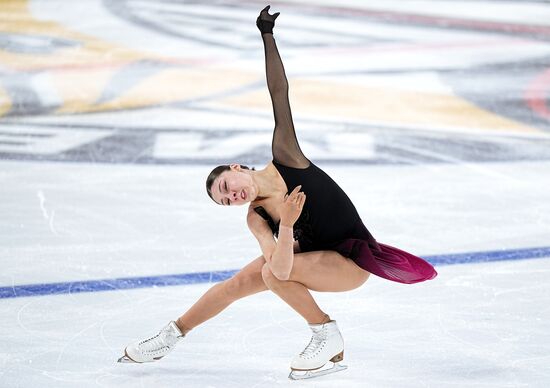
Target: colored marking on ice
x=536 y=94
x=484 y=257
x=128 y=283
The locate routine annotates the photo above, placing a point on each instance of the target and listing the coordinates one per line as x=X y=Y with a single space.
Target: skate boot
x=154 y=348
x=326 y=345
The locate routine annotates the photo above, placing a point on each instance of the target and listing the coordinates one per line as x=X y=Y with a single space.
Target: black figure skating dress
x=329 y=220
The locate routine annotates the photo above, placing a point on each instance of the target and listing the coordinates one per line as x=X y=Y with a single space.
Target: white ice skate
x=154 y=348
x=326 y=345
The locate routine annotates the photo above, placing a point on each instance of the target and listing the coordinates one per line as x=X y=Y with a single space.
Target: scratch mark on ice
x=42 y=201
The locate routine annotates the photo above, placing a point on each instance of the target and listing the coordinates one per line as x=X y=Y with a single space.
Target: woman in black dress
x=321 y=245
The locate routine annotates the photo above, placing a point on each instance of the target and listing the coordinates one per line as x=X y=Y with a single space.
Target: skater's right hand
x=265 y=22
x=292 y=207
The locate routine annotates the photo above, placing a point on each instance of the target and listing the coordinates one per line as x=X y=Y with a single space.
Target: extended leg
x=246 y=282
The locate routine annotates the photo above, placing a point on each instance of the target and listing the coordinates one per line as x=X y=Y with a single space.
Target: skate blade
x=310 y=374
x=126 y=360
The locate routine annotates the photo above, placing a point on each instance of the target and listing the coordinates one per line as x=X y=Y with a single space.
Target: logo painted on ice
x=198 y=146
x=126 y=146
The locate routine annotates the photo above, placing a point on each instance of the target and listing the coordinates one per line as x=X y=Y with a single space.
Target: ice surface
x=434 y=120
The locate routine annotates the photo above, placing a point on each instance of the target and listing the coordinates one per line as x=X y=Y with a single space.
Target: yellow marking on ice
x=88 y=51
x=84 y=71
x=172 y=85
x=385 y=105
x=80 y=90
x=81 y=71
x=5 y=102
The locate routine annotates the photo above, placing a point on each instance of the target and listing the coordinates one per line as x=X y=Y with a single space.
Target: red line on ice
x=537 y=92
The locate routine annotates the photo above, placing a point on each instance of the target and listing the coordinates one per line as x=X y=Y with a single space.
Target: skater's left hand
x=292 y=207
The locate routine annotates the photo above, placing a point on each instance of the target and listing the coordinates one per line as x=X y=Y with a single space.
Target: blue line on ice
x=17 y=291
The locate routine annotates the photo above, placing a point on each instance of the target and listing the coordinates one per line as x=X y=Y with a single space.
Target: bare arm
x=280 y=254
x=282 y=259
x=275 y=252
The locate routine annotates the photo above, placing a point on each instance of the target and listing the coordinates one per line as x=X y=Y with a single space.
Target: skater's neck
x=268 y=182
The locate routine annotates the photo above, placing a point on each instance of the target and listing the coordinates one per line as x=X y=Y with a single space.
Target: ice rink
x=433 y=116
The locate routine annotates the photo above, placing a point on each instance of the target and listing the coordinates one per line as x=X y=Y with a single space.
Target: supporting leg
x=296 y=295
x=317 y=271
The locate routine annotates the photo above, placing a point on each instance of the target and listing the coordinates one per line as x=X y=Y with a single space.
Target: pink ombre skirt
x=384 y=260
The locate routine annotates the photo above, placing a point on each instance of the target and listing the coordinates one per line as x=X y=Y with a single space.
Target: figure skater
x=322 y=244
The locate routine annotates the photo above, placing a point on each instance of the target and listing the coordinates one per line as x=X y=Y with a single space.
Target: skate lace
x=159 y=343
x=315 y=344
x=154 y=343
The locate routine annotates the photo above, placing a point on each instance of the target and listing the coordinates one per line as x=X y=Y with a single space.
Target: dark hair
x=216 y=173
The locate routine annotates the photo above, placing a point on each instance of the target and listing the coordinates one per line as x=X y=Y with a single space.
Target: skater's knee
x=270 y=279
x=267 y=275
x=240 y=285
x=232 y=288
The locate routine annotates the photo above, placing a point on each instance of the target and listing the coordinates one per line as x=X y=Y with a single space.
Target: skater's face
x=233 y=187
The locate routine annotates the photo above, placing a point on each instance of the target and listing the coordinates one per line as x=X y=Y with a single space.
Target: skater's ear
x=240 y=167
